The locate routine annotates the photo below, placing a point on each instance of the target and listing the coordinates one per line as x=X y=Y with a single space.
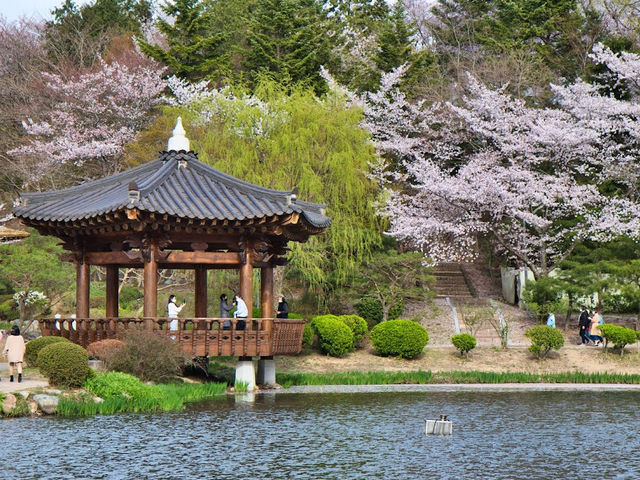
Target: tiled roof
x=178 y=184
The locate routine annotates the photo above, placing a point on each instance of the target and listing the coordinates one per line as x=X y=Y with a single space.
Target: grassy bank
x=122 y=393
x=460 y=377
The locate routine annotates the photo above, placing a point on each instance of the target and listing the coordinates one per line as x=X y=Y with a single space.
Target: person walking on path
x=283 y=307
x=172 y=312
x=225 y=308
x=241 y=312
x=14 y=351
x=583 y=325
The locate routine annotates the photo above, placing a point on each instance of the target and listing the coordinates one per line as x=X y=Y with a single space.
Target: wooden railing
x=198 y=337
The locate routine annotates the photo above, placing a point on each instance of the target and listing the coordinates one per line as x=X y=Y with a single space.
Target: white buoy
x=439 y=427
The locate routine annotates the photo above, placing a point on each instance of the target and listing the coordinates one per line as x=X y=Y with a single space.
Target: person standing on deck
x=241 y=311
x=225 y=308
x=172 y=312
x=283 y=307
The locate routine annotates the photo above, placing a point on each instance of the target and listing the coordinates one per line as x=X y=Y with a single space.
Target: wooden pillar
x=246 y=283
x=151 y=283
x=112 y=291
x=266 y=291
x=201 y=291
x=82 y=289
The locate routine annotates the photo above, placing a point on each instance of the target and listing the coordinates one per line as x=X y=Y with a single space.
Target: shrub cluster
x=370 y=309
x=308 y=335
x=618 y=335
x=334 y=337
x=464 y=343
x=147 y=356
x=104 y=348
x=116 y=384
x=64 y=364
x=32 y=349
x=129 y=296
x=399 y=338
x=358 y=326
x=544 y=339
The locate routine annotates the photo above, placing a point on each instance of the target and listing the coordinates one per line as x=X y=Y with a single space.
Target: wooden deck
x=198 y=337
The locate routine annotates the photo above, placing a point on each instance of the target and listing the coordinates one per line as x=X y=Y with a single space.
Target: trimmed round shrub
x=464 y=343
x=308 y=335
x=544 y=339
x=64 y=364
x=334 y=337
x=370 y=309
x=358 y=326
x=618 y=335
x=32 y=348
x=399 y=338
x=104 y=348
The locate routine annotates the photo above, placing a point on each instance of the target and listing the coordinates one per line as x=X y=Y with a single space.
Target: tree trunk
x=385 y=309
x=568 y=316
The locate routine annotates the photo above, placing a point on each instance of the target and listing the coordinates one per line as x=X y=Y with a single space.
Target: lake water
x=506 y=435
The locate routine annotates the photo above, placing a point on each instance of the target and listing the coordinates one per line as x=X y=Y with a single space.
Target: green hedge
x=370 y=309
x=358 y=326
x=33 y=348
x=543 y=339
x=334 y=337
x=618 y=335
x=399 y=338
x=463 y=342
x=64 y=363
x=308 y=335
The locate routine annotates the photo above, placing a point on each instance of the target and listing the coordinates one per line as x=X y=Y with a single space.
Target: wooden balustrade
x=198 y=337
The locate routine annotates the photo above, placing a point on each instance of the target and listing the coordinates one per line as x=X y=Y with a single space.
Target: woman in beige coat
x=14 y=351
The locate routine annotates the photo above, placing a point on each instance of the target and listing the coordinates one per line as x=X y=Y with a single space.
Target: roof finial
x=178 y=141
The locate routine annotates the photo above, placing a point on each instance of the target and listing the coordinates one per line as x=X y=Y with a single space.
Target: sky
x=38 y=9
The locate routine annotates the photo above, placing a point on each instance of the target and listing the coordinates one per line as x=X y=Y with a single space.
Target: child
x=14 y=350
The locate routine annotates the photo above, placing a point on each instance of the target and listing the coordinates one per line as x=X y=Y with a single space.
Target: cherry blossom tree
x=535 y=181
x=96 y=114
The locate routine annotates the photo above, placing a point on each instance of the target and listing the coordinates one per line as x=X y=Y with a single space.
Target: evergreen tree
x=287 y=42
x=194 y=52
x=82 y=33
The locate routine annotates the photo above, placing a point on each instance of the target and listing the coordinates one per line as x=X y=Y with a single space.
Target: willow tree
x=287 y=140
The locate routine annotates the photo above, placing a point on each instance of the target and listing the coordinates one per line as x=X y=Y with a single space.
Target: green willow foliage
x=283 y=140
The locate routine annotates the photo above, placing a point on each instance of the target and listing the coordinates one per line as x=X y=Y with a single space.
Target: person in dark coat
x=225 y=308
x=283 y=307
x=583 y=325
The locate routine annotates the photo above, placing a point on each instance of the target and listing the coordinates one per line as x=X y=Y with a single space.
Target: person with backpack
x=583 y=325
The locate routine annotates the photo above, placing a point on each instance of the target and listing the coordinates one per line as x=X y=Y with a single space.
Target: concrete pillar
x=266 y=371
x=246 y=373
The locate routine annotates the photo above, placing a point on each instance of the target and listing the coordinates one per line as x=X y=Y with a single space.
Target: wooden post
x=266 y=291
x=200 y=291
x=112 y=291
x=151 y=284
x=246 y=283
x=82 y=289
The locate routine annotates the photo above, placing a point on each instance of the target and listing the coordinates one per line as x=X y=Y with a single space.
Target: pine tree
x=287 y=42
x=194 y=51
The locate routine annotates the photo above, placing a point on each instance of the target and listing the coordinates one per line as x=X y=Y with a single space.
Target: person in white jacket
x=14 y=351
x=172 y=312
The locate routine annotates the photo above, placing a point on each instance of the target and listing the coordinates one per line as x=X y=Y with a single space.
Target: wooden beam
x=246 y=282
x=203 y=258
x=114 y=258
x=266 y=291
x=82 y=289
x=200 y=291
x=151 y=284
x=111 y=309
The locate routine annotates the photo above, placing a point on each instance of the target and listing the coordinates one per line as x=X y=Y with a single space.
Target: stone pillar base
x=246 y=374
x=266 y=371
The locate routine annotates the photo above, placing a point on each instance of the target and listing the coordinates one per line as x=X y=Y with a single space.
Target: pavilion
x=178 y=213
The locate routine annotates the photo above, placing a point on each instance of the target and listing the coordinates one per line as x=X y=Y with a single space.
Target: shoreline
x=459 y=387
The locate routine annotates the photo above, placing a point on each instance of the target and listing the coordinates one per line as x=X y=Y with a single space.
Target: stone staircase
x=451 y=281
